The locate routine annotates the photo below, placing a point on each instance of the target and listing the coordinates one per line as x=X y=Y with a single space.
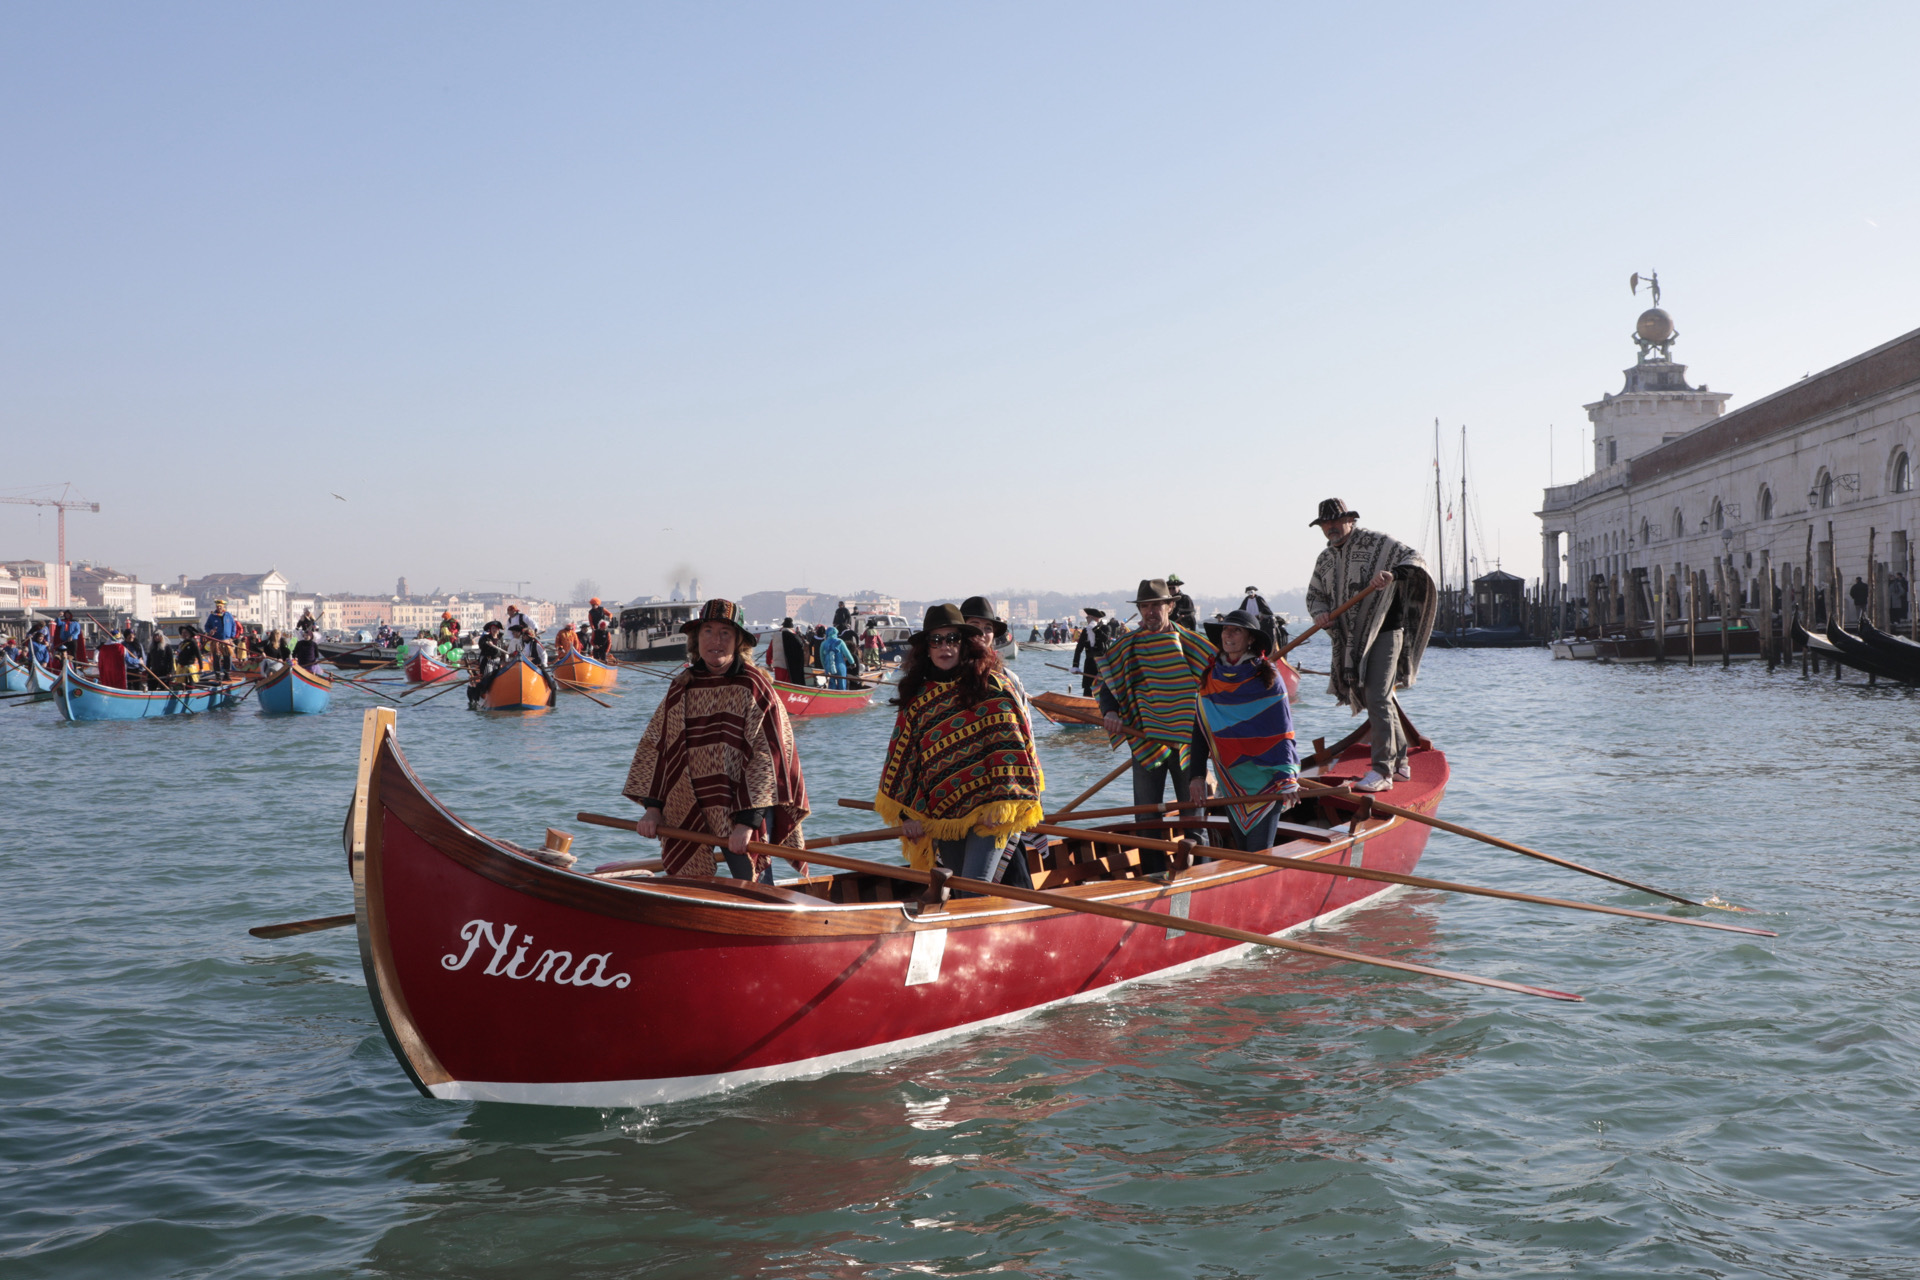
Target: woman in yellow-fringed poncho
x=961 y=773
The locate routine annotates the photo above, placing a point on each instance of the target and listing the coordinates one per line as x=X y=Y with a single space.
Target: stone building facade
x=1820 y=472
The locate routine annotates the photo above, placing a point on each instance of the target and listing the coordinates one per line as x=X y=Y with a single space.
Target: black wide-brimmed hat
x=1092 y=612
x=718 y=610
x=1332 y=509
x=1257 y=640
x=1152 y=591
x=942 y=615
x=978 y=609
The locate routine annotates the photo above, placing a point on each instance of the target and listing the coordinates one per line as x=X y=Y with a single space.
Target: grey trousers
x=1149 y=783
x=1383 y=709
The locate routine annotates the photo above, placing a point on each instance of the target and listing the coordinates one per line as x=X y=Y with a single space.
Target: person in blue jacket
x=836 y=658
x=220 y=629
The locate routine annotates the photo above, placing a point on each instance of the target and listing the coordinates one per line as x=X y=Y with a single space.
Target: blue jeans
x=976 y=857
x=1258 y=840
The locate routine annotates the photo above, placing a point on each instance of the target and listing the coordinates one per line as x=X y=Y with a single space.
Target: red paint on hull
x=462 y=937
x=807 y=700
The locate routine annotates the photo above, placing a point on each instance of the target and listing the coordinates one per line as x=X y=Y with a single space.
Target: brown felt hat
x=942 y=615
x=1153 y=590
x=1332 y=509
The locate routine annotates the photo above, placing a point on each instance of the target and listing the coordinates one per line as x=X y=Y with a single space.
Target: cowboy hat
x=1333 y=509
x=1153 y=591
x=718 y=610
x=1257 y=640
x=979 y=609
x=941 y=615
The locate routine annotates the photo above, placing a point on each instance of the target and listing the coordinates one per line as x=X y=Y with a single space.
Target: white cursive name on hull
x=590 y=972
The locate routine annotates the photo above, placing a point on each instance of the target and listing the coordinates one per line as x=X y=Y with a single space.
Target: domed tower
x=1656 y=405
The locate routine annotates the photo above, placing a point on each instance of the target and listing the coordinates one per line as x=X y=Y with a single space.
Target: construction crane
x=519 y=585
x=62 y=504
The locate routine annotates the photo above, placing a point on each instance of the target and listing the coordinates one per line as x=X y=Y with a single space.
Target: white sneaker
x=1404 y=773
x=1373 y=782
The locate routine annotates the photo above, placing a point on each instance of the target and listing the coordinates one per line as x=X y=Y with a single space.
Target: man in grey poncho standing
x=1376 y=644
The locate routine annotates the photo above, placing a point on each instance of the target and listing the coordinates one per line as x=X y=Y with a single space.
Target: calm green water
x=181 y=1099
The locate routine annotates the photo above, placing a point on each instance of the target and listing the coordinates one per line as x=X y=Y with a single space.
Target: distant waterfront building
x=1822 y=469
x=107 y=588
x=257 y=598
x=9 y=590
x=40 y=582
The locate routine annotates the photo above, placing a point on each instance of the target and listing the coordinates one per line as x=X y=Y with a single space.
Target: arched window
x=1719 y=515
x=1679 y=523
x=1902 y=472
x=1766 y=502
x=1646 y=531
x=1825 y=485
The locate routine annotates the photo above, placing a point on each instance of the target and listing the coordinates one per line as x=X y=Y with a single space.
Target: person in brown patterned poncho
x=1377 y=644
x=718 y=756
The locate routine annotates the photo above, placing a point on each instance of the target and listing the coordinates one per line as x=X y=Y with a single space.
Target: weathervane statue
x=1655 y=327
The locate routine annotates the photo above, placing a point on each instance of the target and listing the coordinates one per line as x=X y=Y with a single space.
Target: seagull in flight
x=336 y=495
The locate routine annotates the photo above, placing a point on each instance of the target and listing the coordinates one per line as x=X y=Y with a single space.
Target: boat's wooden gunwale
x=718 y=910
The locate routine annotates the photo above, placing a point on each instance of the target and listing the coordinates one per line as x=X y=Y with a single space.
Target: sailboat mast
x=1439 y=518
x=1466 y=577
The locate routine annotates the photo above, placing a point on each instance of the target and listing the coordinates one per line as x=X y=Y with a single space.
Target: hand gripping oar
x=1441 y=824
x=1089 y=907
x=1387 y=877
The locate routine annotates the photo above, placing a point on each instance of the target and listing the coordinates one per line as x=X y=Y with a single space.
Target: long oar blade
x=295 y=927
x=1441 y=824
x=1116 y=912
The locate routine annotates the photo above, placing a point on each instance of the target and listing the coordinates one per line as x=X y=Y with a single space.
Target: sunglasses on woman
x=944 y=638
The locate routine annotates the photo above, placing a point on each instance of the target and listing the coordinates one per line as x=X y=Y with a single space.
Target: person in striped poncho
x=1150 y=679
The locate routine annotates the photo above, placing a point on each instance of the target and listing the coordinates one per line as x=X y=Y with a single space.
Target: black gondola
x=1897 y=652
x=1861 y=656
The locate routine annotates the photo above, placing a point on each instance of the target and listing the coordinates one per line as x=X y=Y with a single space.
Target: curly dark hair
x=977 y=662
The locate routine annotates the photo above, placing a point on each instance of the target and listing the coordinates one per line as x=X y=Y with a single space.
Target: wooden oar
x=579 y=689
x=1094 y=790
x=1387 y=877
x=1441 y=824
x=1092 y=907
x=1341 y=792
x=1302 y=638
x=294 y=927
x=467 y=683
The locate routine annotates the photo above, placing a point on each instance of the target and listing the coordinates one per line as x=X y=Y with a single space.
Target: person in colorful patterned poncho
x=1150 y=680
x=1378 y=643
x=962 y=774
x=718 y=756
x=1244 y=724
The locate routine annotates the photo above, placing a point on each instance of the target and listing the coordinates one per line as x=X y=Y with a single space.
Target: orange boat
x=579 y=671
x=1052 y=705
x=519 y=687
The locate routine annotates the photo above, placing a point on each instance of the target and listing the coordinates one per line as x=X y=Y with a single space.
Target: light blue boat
x=82 y=699
x=294 y=690
x=14 y=676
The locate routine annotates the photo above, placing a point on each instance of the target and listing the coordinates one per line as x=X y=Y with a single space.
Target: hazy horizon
x=898 y=298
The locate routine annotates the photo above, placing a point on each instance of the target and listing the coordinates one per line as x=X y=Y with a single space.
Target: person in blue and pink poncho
x=1243 y=722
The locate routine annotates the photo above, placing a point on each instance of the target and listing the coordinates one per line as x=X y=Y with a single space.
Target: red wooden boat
x=421 y=669
x=806 y=700
x=499 y=977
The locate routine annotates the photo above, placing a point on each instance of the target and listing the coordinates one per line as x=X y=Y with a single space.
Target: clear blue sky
x=928 y=298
